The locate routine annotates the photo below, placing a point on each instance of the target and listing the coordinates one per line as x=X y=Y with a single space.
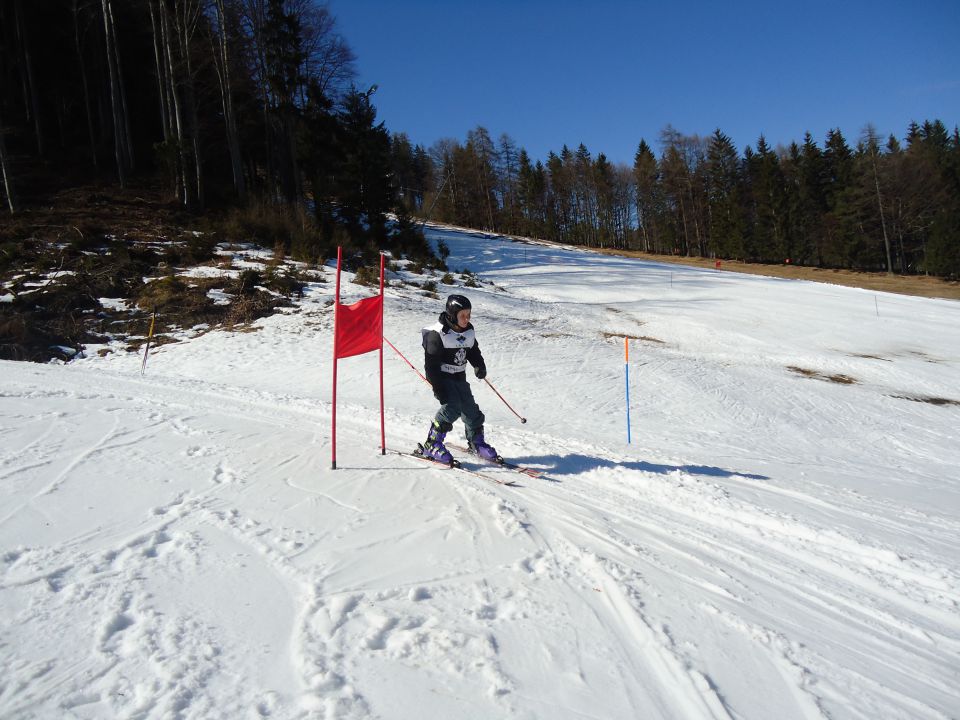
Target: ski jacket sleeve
x=433 y=353
x=475 y=358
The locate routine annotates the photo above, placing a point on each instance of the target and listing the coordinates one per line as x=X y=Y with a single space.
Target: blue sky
x=607 y=74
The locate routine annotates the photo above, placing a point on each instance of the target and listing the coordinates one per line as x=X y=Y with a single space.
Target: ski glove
x=481 y=372
x=439 y=394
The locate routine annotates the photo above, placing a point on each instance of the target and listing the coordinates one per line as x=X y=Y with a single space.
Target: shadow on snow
x=566 y=465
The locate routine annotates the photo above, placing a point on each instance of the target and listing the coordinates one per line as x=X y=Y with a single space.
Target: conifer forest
x=254 y=104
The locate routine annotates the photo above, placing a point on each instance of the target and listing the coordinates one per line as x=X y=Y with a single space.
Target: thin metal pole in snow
x=336 y=355
x=626 y=366
x=383 y=430
x=336 y=336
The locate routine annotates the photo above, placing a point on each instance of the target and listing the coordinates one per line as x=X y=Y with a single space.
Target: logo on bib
x=461 y=357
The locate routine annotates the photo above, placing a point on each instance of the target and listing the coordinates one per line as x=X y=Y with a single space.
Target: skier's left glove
x=481 y=372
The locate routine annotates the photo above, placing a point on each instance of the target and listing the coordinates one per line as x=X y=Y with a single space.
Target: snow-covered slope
x=773 y=544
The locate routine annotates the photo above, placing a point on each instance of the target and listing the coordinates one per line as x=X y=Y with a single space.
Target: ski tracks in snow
x=628 y=588
x=116 y=559
x=101 y=600
x=682 y=558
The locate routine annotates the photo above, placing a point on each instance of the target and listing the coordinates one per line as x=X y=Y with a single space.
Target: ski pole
x=522 y=419
x=406 y=361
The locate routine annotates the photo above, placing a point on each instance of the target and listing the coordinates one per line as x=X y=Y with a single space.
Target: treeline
x=252 y=104
x=878 y=205
x=249 y=103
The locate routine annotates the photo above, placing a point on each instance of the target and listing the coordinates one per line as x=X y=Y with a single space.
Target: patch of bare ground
x=927 y=399
x=72 y=249
x=642 y=338
x=870 y=357
x=847 y=380
x=917 y=285
x=817 y=375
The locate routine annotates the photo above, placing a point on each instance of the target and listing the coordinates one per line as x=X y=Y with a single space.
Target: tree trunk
x=127 y=134
x=30 y=87
x=161 y=71
x=883 y=222
x=5 y=169
x=118 y=123
x=256 y=18
x=186 y=24
x=86 y=85
x=226 y=96
x=183 y=181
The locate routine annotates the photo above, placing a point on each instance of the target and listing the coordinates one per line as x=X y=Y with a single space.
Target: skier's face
x=463 y=318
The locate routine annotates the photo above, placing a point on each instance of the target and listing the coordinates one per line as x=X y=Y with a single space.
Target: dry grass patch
x=927 y=399
x=870 y=357
x=817 y=375
x=641 y=338
x=918 y=285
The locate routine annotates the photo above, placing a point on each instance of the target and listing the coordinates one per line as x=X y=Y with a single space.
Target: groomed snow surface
x=773 y=543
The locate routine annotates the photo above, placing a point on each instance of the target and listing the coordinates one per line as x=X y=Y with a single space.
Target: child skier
x=448 y=345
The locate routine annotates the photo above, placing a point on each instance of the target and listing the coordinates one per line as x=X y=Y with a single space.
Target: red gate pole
x=336 y=335
x=383 y=430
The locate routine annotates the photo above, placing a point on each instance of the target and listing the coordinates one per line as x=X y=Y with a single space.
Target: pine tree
x=767 y=239
x=870 y=174
x=531 y=192
x=403 y=164
x=322 y=151
x=812 y=203
x=584 y=198
x=726 y=231
x=507 y=174
x=943 y=151
x=604 y=191
x=364 y=183
x=561 y=192
x=481 y=156
x=840 y=219
x=646 y=179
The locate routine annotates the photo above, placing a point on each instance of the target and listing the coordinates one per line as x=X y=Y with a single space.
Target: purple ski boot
x=479 y=447
x=434 y=448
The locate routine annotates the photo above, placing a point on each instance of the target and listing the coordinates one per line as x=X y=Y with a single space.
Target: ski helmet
x=456 y=303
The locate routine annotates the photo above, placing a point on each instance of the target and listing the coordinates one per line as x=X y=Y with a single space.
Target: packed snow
x=781 y=538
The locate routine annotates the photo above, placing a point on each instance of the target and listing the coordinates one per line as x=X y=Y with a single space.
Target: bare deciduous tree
x=222 y=64
x=31 y=97
x=120 y=144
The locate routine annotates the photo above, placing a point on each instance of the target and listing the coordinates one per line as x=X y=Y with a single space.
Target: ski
x=455 y=465
x=499 y=461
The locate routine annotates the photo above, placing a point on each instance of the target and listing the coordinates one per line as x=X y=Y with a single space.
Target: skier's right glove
x=440 y=395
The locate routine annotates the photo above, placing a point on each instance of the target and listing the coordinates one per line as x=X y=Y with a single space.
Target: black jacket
x=447 y=351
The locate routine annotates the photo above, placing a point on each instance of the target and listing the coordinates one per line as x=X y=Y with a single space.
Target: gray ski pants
x=460 y=405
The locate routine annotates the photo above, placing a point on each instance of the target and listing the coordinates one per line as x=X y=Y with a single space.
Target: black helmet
x=455 y=303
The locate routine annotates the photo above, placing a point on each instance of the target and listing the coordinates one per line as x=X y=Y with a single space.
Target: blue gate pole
x=626 y=367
